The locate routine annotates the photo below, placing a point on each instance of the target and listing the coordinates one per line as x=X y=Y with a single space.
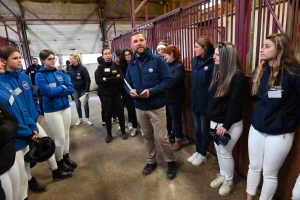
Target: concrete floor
x=114 y=171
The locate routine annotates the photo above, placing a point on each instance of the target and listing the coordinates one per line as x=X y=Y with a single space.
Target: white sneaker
x=133 y=132
x=78 y=122
x=193 y=157
x=119 y=128
x=226 y=188
x=199 y=160
x=218 y=181
x=88 y=121
x=130 y=128
x=142 y=132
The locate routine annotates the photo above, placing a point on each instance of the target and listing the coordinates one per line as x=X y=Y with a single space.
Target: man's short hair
x=35 y=59
x=137 y=33
x=118 y=52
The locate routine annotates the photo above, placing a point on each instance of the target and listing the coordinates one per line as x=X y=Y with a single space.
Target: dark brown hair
x=6 y=51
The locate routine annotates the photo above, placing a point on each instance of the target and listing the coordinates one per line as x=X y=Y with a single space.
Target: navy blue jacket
x=175 y=95
x=28 y=95
x=228 y=109
x=202 y=70
x=14 y=105
x=154 y=75
x=80 y=77
x=278 y=115
x=54 y=95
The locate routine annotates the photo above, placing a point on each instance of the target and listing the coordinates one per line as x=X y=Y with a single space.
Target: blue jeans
x=77 y=94
x=202 y=132
x=174 y=115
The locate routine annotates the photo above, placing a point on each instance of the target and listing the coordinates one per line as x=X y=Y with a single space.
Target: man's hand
x=145 y=94
x=118 y=75
x=133 y=93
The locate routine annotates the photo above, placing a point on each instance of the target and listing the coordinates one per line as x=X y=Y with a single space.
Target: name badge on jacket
x=275 y=92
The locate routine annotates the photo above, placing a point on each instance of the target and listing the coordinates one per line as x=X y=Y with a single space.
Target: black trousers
x=128 y=101
x=113 y=102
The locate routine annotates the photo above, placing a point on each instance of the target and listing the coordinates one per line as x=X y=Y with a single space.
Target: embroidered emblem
x=205 y=68
x=150 y=70
x=25 y=85
x=59 y=78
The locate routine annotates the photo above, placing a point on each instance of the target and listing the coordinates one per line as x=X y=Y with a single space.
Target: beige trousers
x=153 y=123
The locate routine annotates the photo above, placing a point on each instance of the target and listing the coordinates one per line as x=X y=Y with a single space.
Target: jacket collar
x=148 y=56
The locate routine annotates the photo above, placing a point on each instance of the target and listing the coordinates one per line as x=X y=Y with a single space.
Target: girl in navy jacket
x=202 y=68
x=174 y=96
x=276 y=90
x=55 y=88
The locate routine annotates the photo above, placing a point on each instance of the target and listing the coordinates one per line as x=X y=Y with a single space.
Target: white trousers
x=10 y=182
x=51 y=161
x=296 y=190
x=267 y=153
x=224 y=153
x=59 y=123
x=24 y=172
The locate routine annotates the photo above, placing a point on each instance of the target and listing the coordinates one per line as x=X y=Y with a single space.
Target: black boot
x=124 y=135
x=108 y=138
x=69 y=162
x=59 y=174
x=62 y=166
x=171 y=173
x=36 y=186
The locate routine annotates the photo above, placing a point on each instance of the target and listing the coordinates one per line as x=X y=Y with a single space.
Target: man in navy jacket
x=149 y=76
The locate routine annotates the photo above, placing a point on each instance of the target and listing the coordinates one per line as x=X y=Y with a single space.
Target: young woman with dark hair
x=27 y=130
x=276 y=90
x=224 y=110
x=174 y=96
x=109 y=78
x=128 y=100
x=202 y=68
x=55 y=88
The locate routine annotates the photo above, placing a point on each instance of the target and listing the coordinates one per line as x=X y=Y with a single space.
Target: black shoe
x=36 y=186
x=69 y=162
x=108 y=138
x=124 y=136
x=62 y=166
x=171 y=173
x=59 y=174
x=149 y=168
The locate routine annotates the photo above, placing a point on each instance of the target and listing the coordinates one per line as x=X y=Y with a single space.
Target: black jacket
x=227 y=110
x=113 y=85
x=175 y=95
x=8 y=127
x=202 y=70
x=278 y=115
x=31 y=71
x=80 y=77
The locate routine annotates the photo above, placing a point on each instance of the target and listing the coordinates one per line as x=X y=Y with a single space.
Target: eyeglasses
x=52 y=59
x=221 y=45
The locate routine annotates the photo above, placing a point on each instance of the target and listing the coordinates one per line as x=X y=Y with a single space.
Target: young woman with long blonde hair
x=276 y=90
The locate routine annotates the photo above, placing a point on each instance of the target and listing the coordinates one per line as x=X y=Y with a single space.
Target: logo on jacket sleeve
x=205 y=68
x=25 y=85
x=60 y=78
x=150 y=70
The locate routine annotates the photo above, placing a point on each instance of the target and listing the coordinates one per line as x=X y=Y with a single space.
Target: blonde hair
x=283 y=60
x=76 y=57
x=224 y=72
